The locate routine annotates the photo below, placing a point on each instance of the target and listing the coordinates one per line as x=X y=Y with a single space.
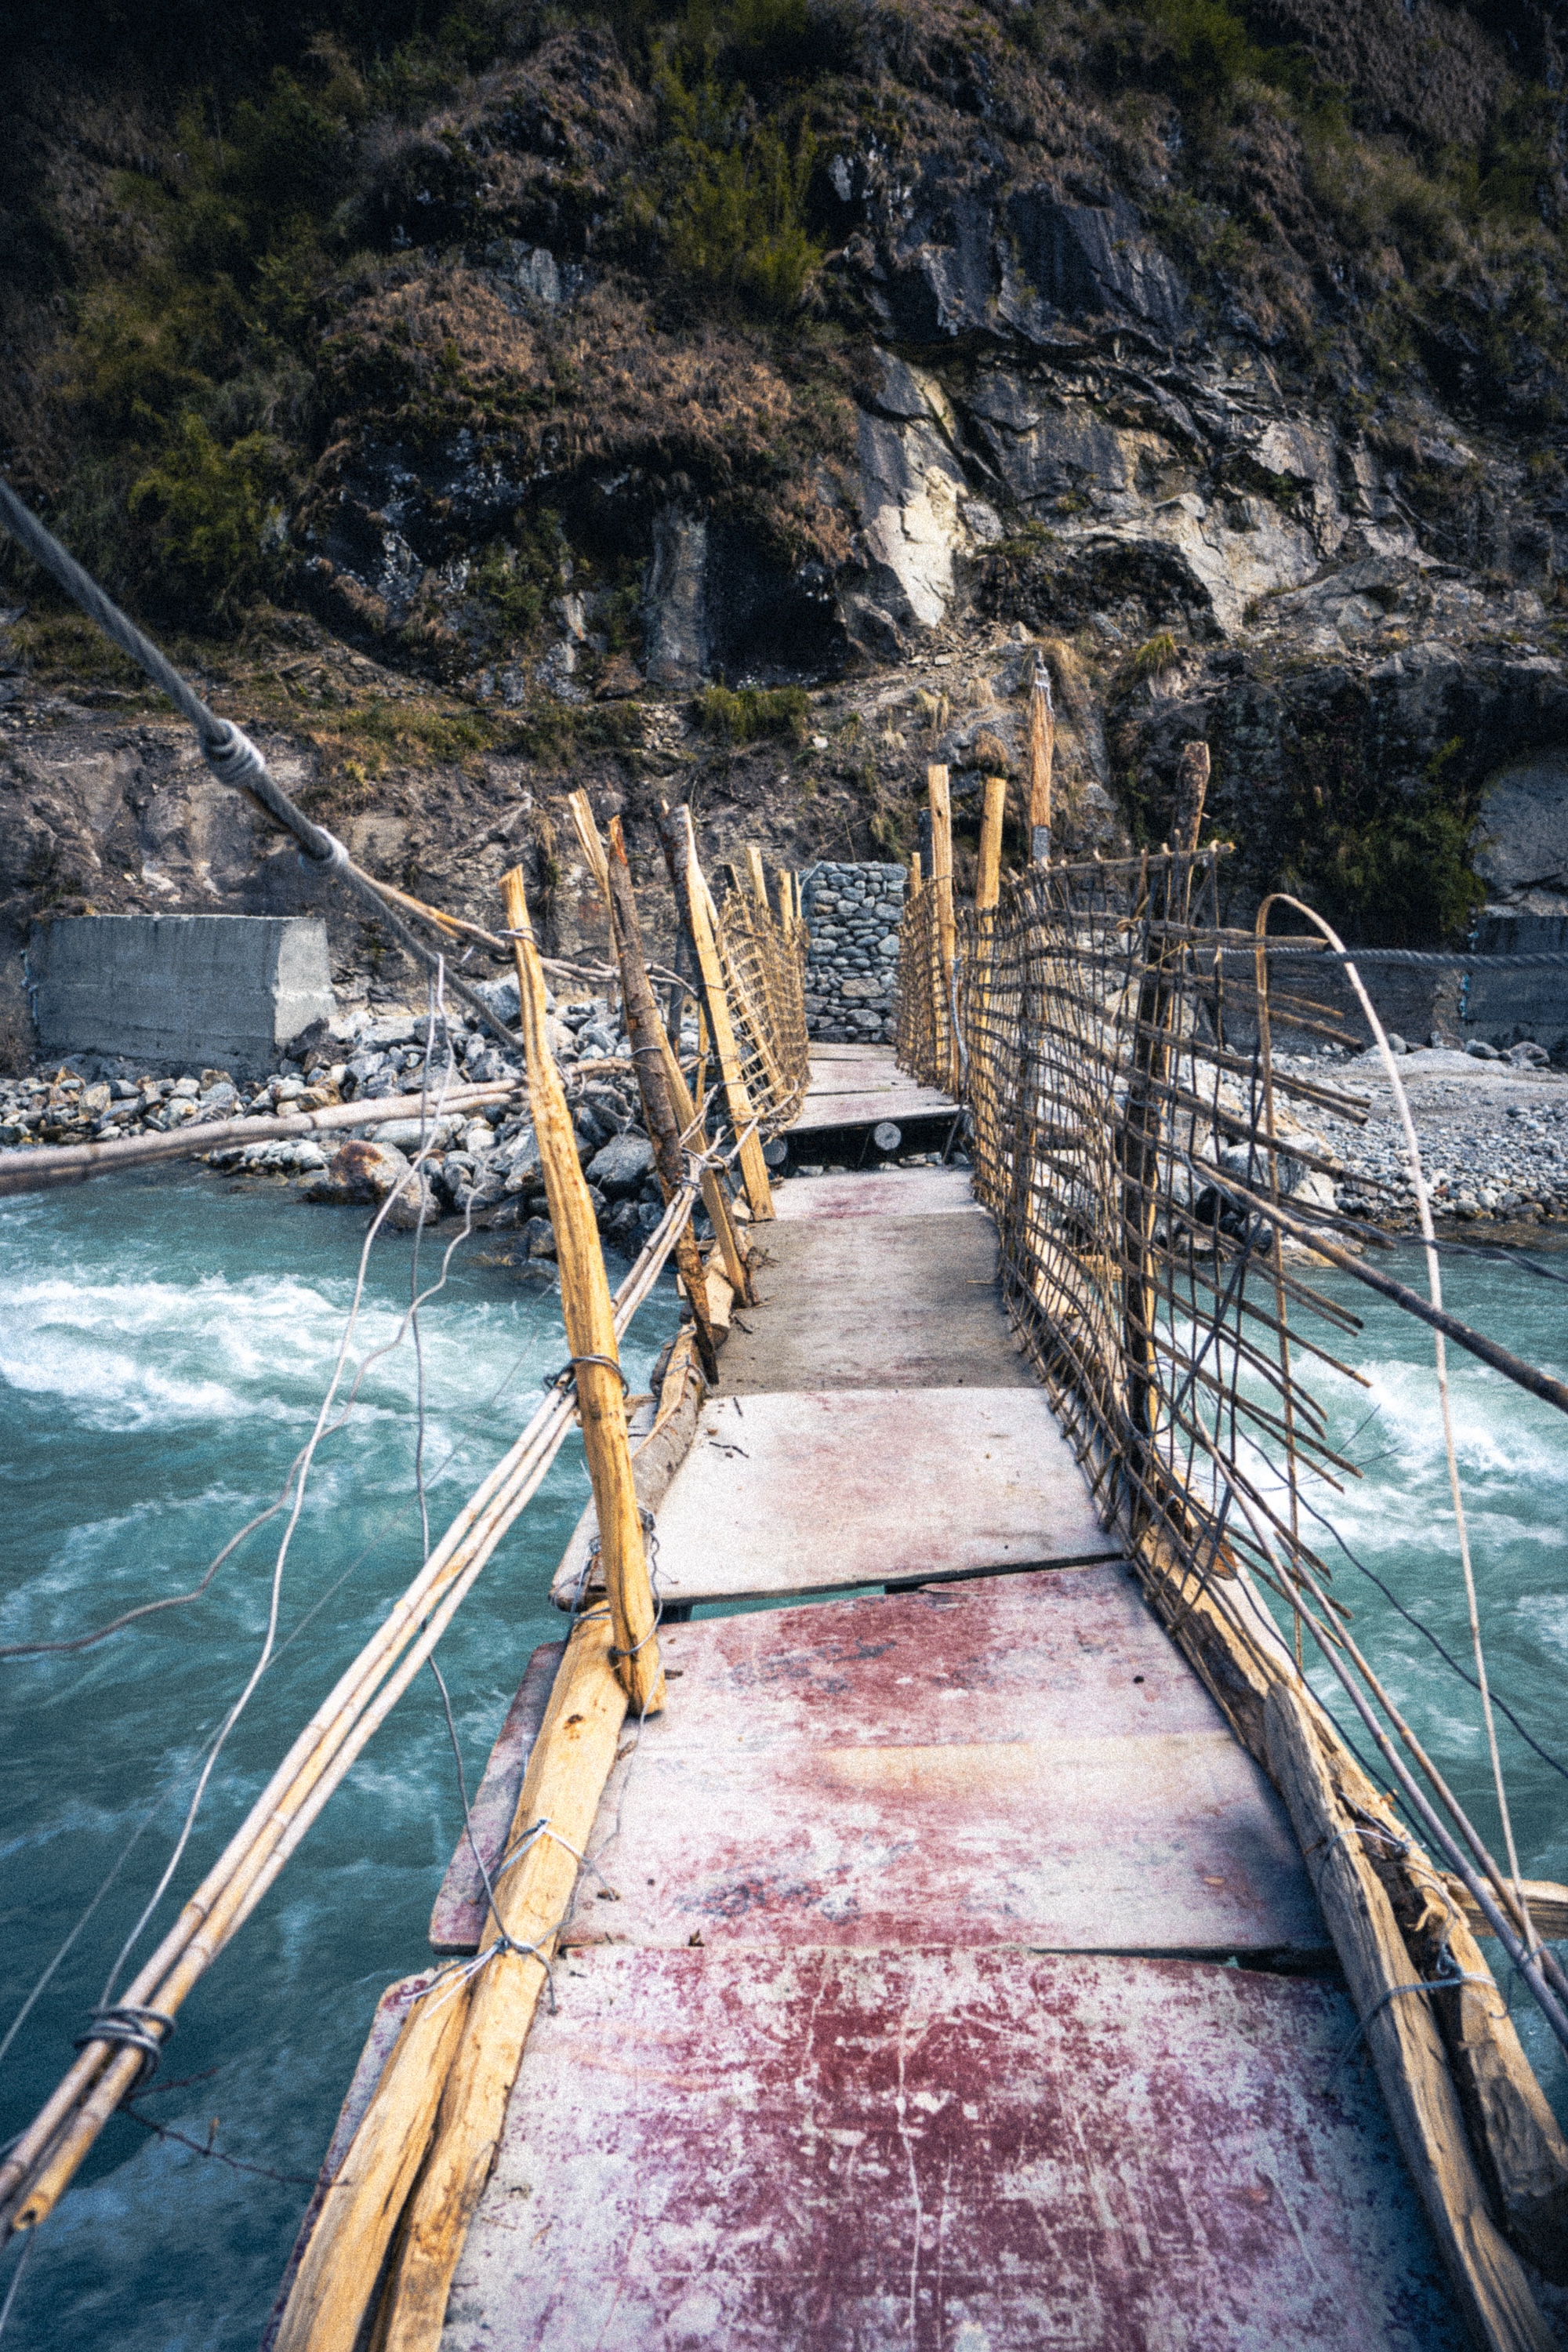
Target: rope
x=229 y=751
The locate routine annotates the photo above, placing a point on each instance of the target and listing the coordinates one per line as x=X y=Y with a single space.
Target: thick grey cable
x=228 y=750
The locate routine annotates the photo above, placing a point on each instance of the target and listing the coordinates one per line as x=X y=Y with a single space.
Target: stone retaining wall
x=853 y=913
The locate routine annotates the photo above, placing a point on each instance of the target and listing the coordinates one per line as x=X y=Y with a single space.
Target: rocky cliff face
x=724 y=405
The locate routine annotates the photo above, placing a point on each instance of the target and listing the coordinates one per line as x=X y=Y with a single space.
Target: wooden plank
x=1405 y=2045
x=975 y=1765
x=895 y=1192
x=949 y=2151
x=807 y=1492
x=458 y=1918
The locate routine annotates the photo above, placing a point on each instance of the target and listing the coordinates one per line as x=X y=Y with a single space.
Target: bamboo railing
x=1146 y=1160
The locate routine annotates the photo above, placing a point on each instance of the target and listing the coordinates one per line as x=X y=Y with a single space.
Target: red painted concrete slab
x=950 y=2151
x=892 y=1192
x=798 y=1492
x=459 y=1918
x=1022 y=1761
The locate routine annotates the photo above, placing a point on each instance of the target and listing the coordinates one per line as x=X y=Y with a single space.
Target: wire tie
x=130 y=2025
x=567 y=1375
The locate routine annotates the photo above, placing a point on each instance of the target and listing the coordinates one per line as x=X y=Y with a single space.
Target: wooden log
x=72 y=1163
x=946 y=935
x=1403 y=2038
x=758 y=878
x=1042 y=756
x=912 y=887
x=650 y=1054
x=590 y=1330
x=988 y=881
x=593 y=847
x=339 y=2267
x=661 y=1453
x=571 y=1762
x=784 y=891
x=692 y=898
x=942 y=863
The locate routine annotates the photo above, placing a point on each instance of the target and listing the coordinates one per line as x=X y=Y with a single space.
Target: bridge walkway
x=949 y=1976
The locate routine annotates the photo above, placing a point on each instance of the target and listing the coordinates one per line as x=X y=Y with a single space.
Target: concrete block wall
x=853 y=912
x=231 y=991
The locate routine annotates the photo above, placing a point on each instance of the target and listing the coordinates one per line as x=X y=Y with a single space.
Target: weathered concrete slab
x=948 y=2151
x=892 y=1193
x=798 y=1493
x=863 y=1108
x=875 y=1303
x=1025 y=1762
x=229 y=991
x=458 y=1916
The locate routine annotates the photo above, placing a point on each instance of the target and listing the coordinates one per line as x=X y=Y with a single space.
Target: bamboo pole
x=789 y=911
x=466 y=2095
x=946 y=929
x=713 y=1197
x=913 y=886
x=650 y=1048
x=691 y=898
x=1141 y=1127
x=758 y=878
x=1042 y=756
x=590 y=1330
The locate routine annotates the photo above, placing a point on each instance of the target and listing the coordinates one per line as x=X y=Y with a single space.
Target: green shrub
x=1397 y=875
x=751 y=711
x=203 y=510
x=737 y=226
x=1154 y=655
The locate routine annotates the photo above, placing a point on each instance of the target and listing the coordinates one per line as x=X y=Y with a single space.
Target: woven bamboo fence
x=762 y=959
x=1114 y=1133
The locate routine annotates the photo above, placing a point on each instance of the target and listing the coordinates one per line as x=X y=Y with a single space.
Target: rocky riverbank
x=1493 y=1132
x=487 y=1162
x=1493 y=1136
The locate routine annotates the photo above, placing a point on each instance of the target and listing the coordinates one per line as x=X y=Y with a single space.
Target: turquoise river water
x=163 y=1344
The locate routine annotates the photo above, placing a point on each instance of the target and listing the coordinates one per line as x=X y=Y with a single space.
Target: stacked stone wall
x=853 y=913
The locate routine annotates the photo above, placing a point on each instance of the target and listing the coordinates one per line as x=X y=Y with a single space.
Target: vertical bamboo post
x=590 y=1332
x=759 y=880
x=987 y=893
x=1143 y=1120
x=988 y=881
x=1042 y=755
x=650 y=1048
x=691 y=898
x=784 y=887
x=913 y=886
x=946 y=929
